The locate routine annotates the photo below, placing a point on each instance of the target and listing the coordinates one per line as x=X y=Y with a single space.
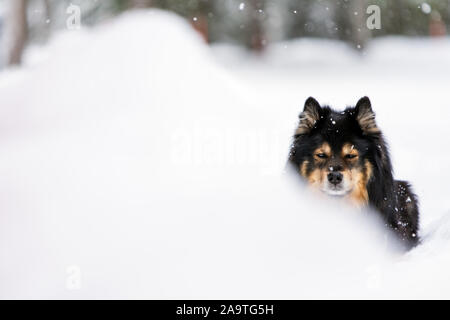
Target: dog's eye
x=321 y=155
x=350 y=156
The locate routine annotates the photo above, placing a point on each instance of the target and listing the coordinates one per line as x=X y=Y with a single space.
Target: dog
x=344 y=154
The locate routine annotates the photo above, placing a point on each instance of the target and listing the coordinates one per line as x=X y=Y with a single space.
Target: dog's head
x=336 y=152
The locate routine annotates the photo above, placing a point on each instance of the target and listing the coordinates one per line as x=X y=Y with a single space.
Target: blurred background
x=143 y=146
x=252 y=24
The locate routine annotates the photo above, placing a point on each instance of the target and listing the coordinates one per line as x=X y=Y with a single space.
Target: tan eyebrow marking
x=349 y=148
x=324 y=148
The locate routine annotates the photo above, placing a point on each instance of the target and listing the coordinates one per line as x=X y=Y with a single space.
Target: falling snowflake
x=425 y=8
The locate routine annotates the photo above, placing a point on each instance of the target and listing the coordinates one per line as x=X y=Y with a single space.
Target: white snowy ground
x=136 y=162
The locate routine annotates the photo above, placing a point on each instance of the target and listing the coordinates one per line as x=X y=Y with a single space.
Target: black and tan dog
x=344 y=154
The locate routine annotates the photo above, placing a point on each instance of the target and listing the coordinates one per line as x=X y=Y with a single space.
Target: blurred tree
x=249 y=23
x=437 y=27
x=47 y=10
x=398 y=11
x=297 y=16
x=140 y=3
x=359 y=34
x=343 y=24
x=40 y=18
x=199 y=13
x=16 y=30
x=255 y=38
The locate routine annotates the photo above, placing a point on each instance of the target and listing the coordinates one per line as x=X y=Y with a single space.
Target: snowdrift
x=134 y=165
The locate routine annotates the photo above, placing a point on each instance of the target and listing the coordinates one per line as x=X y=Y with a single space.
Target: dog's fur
x=344 y=154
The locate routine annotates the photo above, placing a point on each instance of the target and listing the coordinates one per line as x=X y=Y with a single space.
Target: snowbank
x=134 y=165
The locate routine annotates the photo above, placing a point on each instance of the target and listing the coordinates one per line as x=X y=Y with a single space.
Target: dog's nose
x=335 y=178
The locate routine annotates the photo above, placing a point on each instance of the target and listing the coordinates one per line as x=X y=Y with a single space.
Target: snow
x=426 y=8
x=146 y=165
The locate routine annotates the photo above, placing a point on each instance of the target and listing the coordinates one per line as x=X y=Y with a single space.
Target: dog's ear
x=309 y=116
x=366 y=117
